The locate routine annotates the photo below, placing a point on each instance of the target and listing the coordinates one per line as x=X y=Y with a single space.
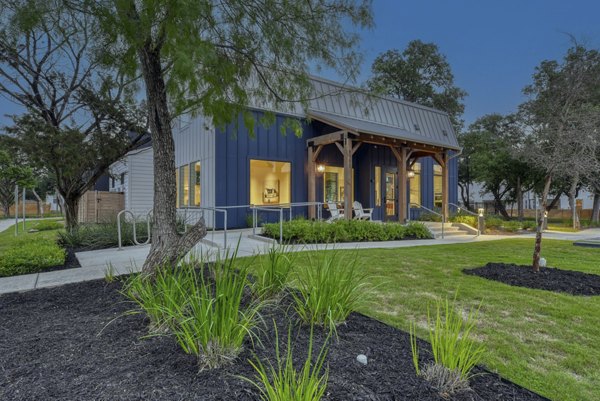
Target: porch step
x=450 y=229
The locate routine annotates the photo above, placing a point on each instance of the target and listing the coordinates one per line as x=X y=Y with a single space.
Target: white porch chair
x=361 y=213
x=336 y=213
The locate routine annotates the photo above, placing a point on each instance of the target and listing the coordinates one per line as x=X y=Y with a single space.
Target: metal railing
x=133 y=219
x=255 y=210
x=280 y=208
x=467 y=211
x=214 y=210
x=418 y=206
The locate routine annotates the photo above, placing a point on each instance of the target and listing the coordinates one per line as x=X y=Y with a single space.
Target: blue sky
x=492 y=46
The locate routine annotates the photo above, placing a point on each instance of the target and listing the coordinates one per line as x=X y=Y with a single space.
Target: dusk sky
x=492 y=46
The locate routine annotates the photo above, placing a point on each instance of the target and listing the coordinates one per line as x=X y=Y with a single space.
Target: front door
x=389 y=196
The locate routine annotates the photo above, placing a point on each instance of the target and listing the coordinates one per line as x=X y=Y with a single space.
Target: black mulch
x=551 y=279
x=71 y=262
x=57 y=344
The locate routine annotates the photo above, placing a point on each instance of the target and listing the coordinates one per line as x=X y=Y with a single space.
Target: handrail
x=215 y=210
x=135 y=241
x=431 y=211
x=292 y=205
x=255 y=210
x=459 y=209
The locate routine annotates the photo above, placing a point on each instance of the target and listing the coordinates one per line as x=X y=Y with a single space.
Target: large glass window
x=184 y=174
x=188 y=182
x=270 y=182
x=333 y=184
x=177 y=187
x=415 y=184
x=437 y=185
x=377 y=185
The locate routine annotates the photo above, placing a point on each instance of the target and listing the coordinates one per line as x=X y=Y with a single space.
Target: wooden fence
x=100 y=206
x=31 y=209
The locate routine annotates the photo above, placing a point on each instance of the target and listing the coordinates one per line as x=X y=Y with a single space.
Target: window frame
x=273 y=160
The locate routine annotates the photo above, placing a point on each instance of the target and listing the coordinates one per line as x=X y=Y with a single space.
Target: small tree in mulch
x=563 y=115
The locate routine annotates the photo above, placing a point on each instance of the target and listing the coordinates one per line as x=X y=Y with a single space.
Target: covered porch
x=377 y=162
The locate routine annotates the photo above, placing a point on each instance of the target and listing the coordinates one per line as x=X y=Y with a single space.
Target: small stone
x=362 y=359
x=542 y=262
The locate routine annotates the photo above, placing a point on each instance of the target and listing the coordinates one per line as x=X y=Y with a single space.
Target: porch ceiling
x=356 y=126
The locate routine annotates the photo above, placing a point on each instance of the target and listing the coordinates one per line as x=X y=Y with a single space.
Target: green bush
x=203 y=308
x=30 y=255
x=427 y=216
x=283 y=382
x=512 y=226
x=455 y=352
x=493 y=223
x=529 y=225
x=307 y=231
x=329 y=289
x=272 y=272
x=465 y=219
x=47 y=225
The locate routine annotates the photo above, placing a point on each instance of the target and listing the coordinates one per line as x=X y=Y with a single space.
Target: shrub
x=272 y=272
x=30 y=255
x=307 y=231
x=203 y=308
x=529 y=225
x=454 y=350
x=329 y=289
x=493 y=223
x=47 y=225
x=102 y=235
x=284 y=382
x=427 y=216
x=512 y=226
x=465 y=219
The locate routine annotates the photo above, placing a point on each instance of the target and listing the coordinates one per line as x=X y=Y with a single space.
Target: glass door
x=390 y=195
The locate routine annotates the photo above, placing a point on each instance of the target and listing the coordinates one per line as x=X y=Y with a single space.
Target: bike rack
x=135 y=241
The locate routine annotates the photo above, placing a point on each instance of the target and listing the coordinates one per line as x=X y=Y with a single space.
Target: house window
x=184 y=179
x=112 y=182
x=415 y=185
x=270 y=182
x=377 y=185
x=122 y=178
x=196 y=184
x=437 y=185
x=333 y=184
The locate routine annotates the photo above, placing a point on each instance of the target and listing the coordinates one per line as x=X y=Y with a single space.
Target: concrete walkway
x=95 y=264
x=7 y=223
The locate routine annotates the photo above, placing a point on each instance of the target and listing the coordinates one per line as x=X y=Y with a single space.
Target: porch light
x=411 y=174
x=320 y=168
x=480 y=210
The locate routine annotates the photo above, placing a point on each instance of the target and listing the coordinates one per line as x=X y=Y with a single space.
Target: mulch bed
x=550 y=279
x=64 y=344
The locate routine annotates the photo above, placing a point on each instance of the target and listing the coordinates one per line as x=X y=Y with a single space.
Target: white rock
x=362 y=359
x=542 y=262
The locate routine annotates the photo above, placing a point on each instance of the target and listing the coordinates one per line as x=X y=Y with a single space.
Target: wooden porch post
x=445 y=185
x=311 y=181
x=402 y=166
x=347 y=177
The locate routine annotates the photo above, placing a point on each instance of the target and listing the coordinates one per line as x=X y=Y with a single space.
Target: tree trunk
x=39 y=203
x=465 y=195
x=573 y=203
x=538 y=234
x=520 y=211
x=596 y=208
x=167 y=245
x=71 y=210
x=499 y=205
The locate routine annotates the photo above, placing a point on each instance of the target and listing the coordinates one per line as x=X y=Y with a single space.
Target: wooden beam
x=311 y=180
x=316 y=152
x=326 y=139
x=340 y=147
x=445 y=185
x=355 y=148
x=402 y=163
x=439 y=158
x=347 y=177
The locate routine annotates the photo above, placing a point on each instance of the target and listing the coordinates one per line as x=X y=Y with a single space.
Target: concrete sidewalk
x=94 y=264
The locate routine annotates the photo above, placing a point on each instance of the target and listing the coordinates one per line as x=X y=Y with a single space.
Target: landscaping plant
x=272 y=273
x=455 y=351
x=329 y=289
x=30 y=254
x=47 y=225
x=284 y=382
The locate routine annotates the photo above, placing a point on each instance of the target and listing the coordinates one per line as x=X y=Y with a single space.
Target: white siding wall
x=140 y=188
x=195 y=141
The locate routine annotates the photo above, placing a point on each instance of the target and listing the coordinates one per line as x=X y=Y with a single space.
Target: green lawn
x=28 y=252
x=547 y=342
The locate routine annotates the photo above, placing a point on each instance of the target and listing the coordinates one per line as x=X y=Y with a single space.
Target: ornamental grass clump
x=284 y=382
x=272 y=273
x=455 y=351
x=329 y=289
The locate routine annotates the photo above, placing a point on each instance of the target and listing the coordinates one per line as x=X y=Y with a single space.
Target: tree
x=419 y=74
x=53 y=63
x=491 y=146
x=564 y=117
x=216 y=58
x=12 y=173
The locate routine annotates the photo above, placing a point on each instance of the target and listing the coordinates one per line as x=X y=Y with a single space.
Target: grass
x=544 y=341
x=29 y=252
